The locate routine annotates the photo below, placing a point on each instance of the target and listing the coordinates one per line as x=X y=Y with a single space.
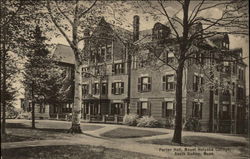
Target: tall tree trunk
x=3 y=91
x=178 y=96
x=76 y=112
x=33 y=106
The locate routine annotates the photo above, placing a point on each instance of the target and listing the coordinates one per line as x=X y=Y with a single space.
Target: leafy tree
x=233 y=20
x=72 y=18
x=11 y=29
x=43 y=79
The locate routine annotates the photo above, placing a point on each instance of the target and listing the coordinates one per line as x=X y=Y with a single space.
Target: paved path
x=94 y=138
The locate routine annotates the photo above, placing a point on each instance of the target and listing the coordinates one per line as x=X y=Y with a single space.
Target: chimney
x=136 y=25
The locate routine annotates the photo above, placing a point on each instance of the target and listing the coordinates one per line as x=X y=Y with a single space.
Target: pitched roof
x=64 y=53
x=145 y=36
x=124 y=34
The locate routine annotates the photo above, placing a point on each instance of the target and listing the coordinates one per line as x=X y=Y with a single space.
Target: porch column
x=89 y=109
x=125 y=108
x=99 y=108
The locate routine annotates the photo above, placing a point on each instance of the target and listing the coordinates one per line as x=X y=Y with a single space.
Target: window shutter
x=194 y=82
x=164 y=83
x=139 y=108
x=149 y=108
x=193 y=110
x=201 y=110
x=163 y=109
x=149 y=83
x=122 y=87
x=123 y=109
x=113 y=88
x=113 y=69
x=139 y=84
x=122 y=68
x=93 y=88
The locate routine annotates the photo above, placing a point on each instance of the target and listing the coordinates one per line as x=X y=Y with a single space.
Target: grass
x=71 y=152
x=198 y=141
x=22 y=131
x=130 y=133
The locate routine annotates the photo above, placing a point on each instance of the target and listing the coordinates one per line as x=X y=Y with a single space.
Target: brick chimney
x=136 y=24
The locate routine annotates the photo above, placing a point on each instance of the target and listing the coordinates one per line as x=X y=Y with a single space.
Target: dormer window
x=160 y=31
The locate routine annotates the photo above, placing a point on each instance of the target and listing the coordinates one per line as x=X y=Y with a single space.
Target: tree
x=73 y=17
x=233 y=20
x=43 y=79
x=12 y=25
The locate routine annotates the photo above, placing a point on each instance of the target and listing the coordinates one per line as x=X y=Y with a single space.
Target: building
x=118 y=81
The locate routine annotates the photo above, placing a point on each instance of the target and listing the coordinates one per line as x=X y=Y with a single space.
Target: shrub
x=150 y=122
x=130 y=119
x=192 y=124
x=170 y=123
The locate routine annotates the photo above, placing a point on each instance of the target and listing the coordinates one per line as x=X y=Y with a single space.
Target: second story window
x=117 y=88
x=104 y=88
x=198 y=83
x=144 y=84
x=109 y=52
x=95 y=88
x=85 y=89
x=118 y=68
x=168 y=82
x=233 y=89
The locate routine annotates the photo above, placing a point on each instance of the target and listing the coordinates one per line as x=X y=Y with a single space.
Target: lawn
x=23 y=132
x=130 y=133
x=71 y=152
x=198 y=141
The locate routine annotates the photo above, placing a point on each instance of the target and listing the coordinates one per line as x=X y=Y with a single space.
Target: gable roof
x=64 y=54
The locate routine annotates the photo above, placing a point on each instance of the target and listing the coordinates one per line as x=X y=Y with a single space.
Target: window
x=85 y=89
x=168 y=82
x=117 y=109
x=118 y=68
x=198 y=82
x=233 y=89
x=95 y=88
x=117 y=88
x=109 y=52
x=241 y=74
x=234 y=69
x=233 y=111
x=143 y=109
x=224 y=112
x=195 y=83
x=168 y=109
x=102 y=53
x=67 y=108
x=215 y=111
x=240 y=92
x=42 y=108
x=144 y=84
x=104 y=88
x=197 y=110
x=85 y=72
x=227 y=68
x=168 y=57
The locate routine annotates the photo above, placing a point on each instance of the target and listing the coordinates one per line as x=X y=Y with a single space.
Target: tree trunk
x=3 y=91
x=178 y=96
x=76 y=112
x=33 y=107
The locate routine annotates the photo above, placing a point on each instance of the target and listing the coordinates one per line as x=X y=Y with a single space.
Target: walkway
x=94 y=138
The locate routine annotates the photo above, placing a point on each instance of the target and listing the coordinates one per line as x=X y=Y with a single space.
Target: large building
x=118 y=78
